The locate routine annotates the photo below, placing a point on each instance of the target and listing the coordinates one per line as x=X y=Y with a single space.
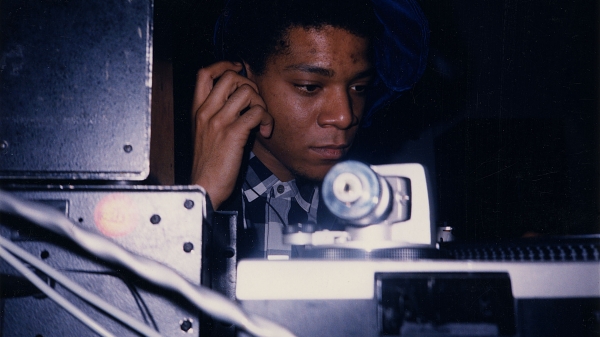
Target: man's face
x=315 y=91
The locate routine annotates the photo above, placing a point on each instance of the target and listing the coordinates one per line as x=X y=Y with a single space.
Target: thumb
x=266 y=125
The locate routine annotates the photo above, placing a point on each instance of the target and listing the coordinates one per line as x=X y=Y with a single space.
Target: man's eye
x=307 y=87
x=359 y=88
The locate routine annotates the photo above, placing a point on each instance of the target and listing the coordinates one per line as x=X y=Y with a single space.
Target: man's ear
x=249 y=74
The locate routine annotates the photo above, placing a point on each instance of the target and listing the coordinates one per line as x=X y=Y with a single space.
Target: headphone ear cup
x=218 y=47
x=221 y=29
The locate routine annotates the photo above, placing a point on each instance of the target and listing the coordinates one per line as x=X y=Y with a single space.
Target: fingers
x=218 y=151
x=256 y=116
x=234 y=112
x=226 y=108
x=229 y=99
x=243 y=97
x=206 y=77
x=216 y=83
x=259 y=116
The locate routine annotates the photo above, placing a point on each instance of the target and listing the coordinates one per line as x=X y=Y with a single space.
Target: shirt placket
x=278 y=205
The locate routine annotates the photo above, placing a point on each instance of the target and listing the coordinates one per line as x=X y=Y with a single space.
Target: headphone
x=400 y=51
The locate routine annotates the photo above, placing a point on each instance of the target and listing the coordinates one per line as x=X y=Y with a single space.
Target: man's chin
x=313 y=175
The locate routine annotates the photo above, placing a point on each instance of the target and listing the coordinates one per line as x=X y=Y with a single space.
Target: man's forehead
x=308 y=68
x=318 y=34
x=327 y=72
x=321 y=50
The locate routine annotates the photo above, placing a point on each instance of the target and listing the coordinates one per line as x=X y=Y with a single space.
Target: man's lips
x=330 y=152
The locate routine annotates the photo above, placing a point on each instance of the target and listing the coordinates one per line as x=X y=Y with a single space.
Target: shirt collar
x=260 y=180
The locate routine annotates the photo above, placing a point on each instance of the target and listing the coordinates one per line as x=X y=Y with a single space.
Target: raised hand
x=220 y=128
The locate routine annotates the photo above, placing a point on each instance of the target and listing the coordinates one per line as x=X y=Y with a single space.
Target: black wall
x=505 y=117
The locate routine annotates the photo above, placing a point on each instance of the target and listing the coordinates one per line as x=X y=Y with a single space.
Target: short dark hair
x=254 y=30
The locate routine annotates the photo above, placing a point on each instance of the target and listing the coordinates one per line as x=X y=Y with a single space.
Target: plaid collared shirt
x=270 y=204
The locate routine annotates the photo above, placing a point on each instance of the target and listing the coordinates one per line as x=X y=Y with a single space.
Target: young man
x=294 y=86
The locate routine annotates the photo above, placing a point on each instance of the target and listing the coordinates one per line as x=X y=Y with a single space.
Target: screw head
x=189 y=204
x=127 y=148
x=185 y=325
x=188 y=247
x=155 y=219
x=44 y=254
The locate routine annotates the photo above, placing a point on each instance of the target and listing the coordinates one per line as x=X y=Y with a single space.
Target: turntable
x=387 y=275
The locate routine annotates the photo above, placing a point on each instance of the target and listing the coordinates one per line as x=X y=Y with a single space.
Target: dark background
x=505 y=118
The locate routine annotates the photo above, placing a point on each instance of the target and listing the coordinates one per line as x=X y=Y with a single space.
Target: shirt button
x=280 y=189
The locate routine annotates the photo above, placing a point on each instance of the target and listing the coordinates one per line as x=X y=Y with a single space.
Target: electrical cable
x=139 y=300
x=77 y=289
x=51 y=293
x=205 y=299
x=268 y=204
x=137 y=297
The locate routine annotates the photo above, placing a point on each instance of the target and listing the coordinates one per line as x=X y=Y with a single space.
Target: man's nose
x=337 y=111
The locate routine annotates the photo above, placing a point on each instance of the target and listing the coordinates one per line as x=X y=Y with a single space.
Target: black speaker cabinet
x=164 y=224
x=75 y=84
